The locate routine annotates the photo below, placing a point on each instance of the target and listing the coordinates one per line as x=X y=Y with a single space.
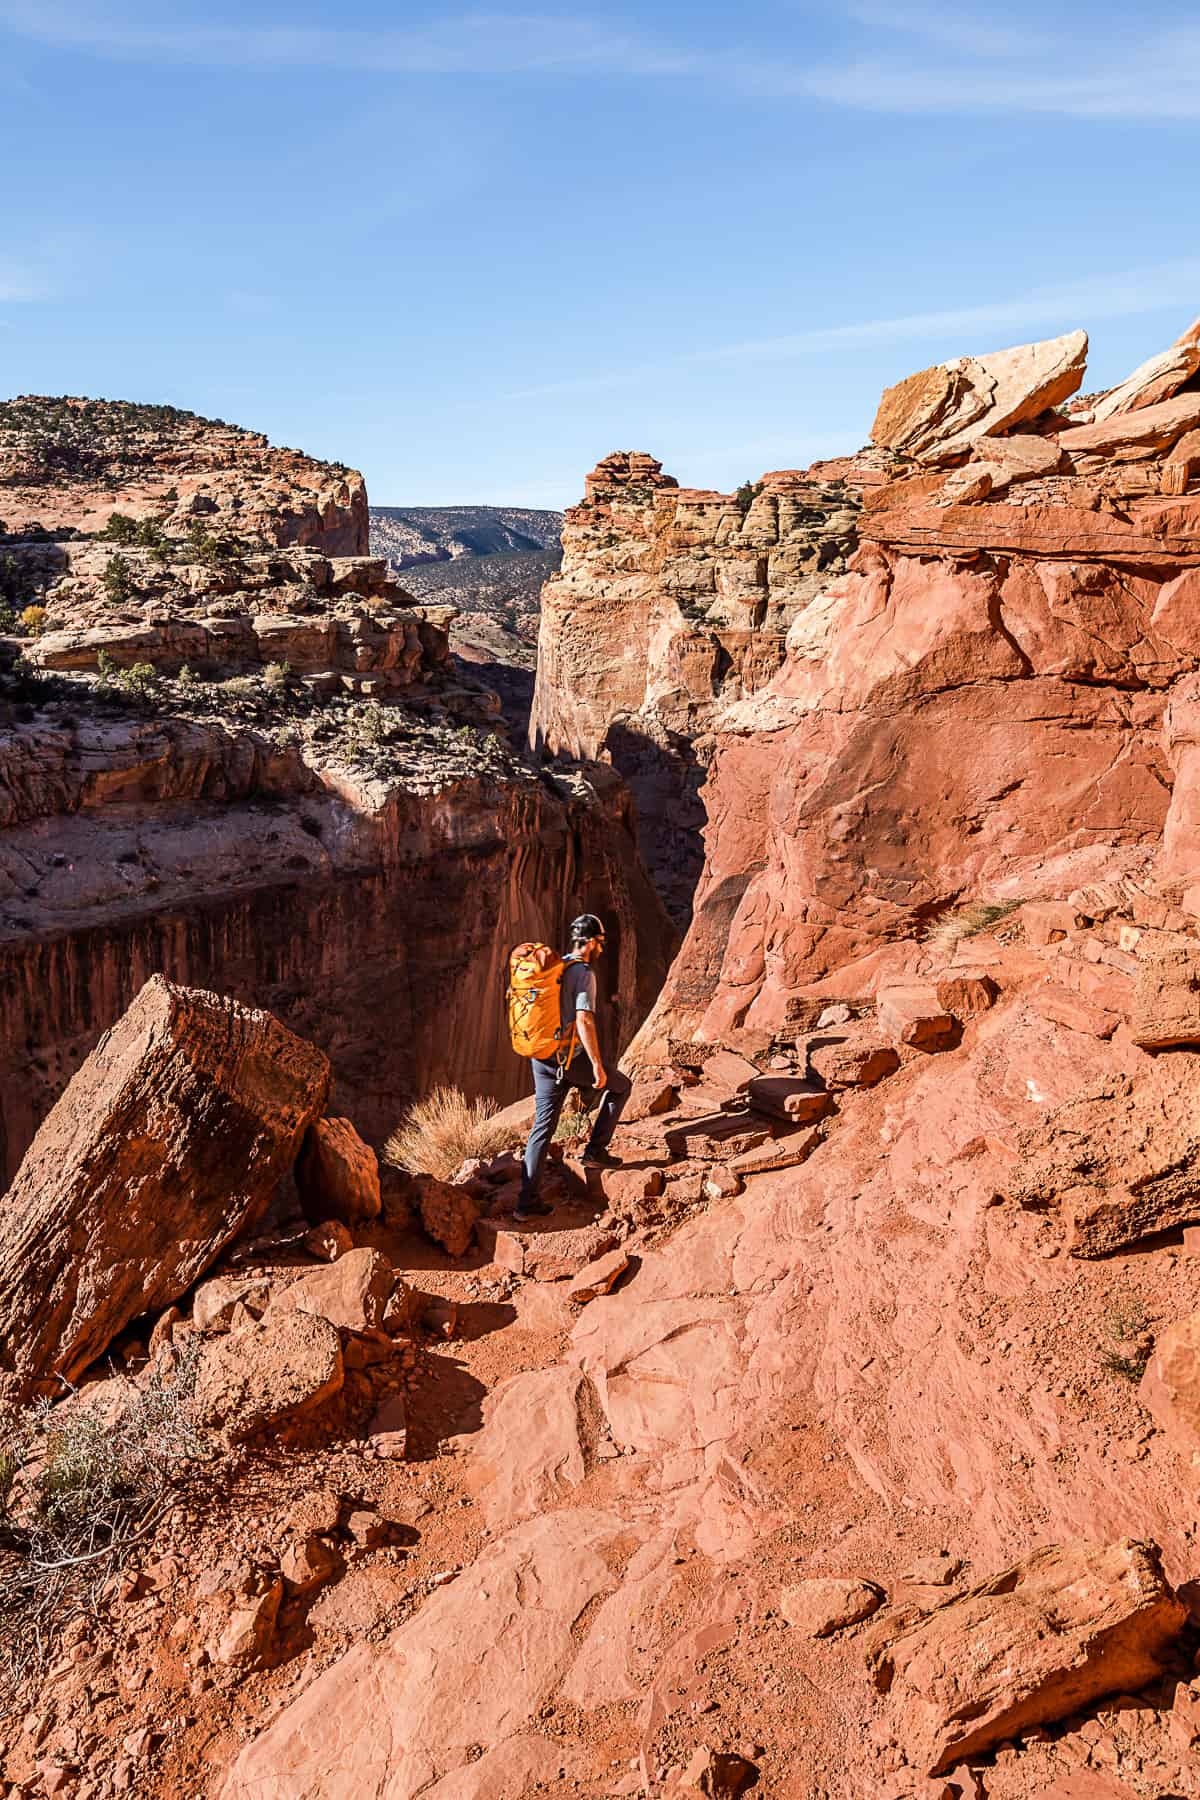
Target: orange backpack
x=535 y=973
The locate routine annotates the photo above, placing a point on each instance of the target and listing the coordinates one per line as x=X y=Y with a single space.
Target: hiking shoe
x=532 y=1209
x=600 y=1159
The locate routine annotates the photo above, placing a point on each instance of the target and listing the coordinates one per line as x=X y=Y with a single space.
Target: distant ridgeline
x=488 y=559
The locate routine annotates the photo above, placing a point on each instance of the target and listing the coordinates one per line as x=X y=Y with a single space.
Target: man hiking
x=583 y=1068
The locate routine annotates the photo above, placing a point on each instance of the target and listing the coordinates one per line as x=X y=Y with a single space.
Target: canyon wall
x=371 y=916
x=258 y=769
x=953 y=688
x=671 y=601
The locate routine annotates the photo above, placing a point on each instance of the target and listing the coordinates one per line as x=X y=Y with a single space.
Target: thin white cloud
x=20 y=283
x=1064 y=308
x=962 y=65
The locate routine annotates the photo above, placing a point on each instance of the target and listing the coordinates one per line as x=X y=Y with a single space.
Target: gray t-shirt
x=577 y=993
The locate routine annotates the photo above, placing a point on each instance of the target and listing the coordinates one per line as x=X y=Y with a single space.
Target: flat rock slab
x=780 y=1153
x=551 y=1255
x=1118 y=1162
x=940 y=412
x=848 y=1059
x=167 y=1143
x=1043 y=1639
x=598 y=1277
x=788 y=1097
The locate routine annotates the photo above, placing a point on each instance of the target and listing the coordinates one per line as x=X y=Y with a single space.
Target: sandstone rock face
x=1038 y=1642
x=940 y=412
x=1167 y=995
x=1170 y=1388
x=167 y=1142
x=413 y=1709
x=337 y=1175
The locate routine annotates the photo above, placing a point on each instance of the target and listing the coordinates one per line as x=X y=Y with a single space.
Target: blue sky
x=470 y=252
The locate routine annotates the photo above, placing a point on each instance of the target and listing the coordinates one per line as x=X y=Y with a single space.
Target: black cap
x=586 y=926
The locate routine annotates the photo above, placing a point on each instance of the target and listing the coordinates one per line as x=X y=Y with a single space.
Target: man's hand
x=599 y=1075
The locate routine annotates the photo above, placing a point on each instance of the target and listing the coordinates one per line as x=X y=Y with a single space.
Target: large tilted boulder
x=1063 y=1628
x=939 y=413
x=165 y=1145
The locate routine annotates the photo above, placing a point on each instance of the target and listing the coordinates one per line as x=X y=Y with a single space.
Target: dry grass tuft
x=968 y=921
x=445 y=1129
x=79 y=1492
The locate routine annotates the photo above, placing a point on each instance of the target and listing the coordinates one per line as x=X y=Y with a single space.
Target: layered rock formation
x=671 y=600
x=990 y=704
x=66 y=465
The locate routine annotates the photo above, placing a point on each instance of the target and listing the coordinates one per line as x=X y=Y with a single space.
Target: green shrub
x=117 y=581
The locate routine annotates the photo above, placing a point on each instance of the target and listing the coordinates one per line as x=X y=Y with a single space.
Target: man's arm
x=585 y=1023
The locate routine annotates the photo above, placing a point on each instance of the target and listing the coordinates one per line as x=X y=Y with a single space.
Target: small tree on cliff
x=117 y=580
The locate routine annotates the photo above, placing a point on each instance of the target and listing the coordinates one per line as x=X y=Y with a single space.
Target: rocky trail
x=843 y=1441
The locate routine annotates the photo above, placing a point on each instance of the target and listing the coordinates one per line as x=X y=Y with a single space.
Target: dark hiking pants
x=550 y=1094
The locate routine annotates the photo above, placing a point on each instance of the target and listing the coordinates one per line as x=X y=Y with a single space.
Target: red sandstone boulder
x=449 y=1214
x=328 y=1240
x=337 y=1175
x=964 y=992
x=215 y=1302
x=854 y=1059
x=1170 y=1388
x=167 y=1142
x=650 y=1095
x=387 y=1433
x=827 y=1604
x=1044 y=1639
x=352 y=1293
x=268 y=1374
x=914 y=1015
